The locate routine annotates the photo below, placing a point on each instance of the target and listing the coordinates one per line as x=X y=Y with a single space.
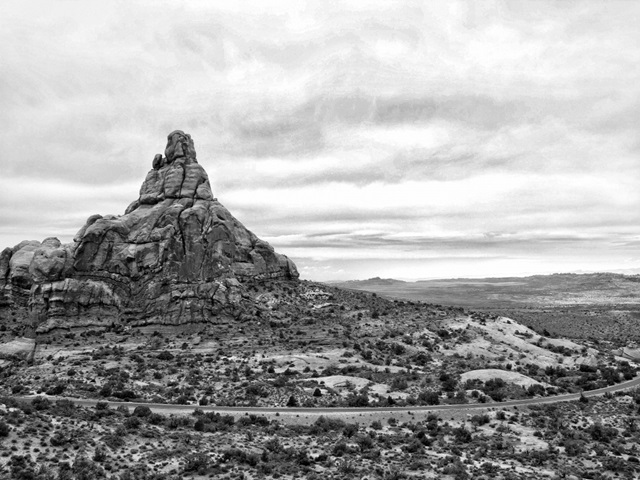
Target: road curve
x=182 y=409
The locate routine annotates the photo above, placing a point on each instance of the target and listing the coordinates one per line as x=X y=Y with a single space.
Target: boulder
x=18 y=348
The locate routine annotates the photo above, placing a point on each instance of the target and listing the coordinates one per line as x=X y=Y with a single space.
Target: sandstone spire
x=176 y=256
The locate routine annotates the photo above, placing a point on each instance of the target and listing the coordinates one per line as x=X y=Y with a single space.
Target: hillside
x=510 y=292
x=314 y=345
x=353 y=347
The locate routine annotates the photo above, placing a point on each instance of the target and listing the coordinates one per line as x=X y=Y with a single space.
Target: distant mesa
x=176 y=256
x=373 y=281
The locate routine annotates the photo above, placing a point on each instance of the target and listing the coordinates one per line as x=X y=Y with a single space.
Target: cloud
x=500 y=132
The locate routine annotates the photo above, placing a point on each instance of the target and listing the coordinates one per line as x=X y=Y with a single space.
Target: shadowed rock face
x=176 y=256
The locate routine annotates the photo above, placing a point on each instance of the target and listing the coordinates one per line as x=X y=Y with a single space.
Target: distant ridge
x=371 y=281
x=503 y=292
x=631 y=272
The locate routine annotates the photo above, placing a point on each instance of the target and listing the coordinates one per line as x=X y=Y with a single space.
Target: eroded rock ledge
x=176 y=256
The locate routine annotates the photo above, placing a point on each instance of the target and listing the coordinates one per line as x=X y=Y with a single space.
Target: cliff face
x=176 y=256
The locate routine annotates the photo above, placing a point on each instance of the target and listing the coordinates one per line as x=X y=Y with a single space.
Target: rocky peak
x=179 y=145
x=176 y=175
x=176 y=256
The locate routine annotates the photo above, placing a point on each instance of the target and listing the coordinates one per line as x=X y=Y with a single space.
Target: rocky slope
x=177 y=256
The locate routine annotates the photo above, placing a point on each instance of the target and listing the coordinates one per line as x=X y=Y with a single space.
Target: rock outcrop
x=176 y=256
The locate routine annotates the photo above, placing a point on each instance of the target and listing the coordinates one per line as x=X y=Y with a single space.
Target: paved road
x=181 y=409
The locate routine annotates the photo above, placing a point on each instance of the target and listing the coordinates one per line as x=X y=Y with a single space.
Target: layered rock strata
x=176 y=256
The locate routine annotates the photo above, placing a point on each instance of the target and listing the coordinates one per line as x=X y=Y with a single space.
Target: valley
x=320 y=381
x=596 y=306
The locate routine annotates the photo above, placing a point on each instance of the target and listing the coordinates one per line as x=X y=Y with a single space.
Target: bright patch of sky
x=392 y=139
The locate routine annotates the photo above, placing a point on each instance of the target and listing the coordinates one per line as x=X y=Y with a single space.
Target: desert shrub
x=480 y=419
x=64 y=408
x=429 y=397
x=394 y=474
x=280 y=381
x=59 y=438
x=99 y=455
x=57 y=389
x=350 y=429
x=422 y=436
x=536 y=389
x=21 y=467
x=462 y=435
x=399 y=383
x=495 y=388
x=273 y=445
x=123 y=409
x=600 y=433
x=615 y=464
x=113 y=441
x=253 y=419
x=196 y=462
x=495 y=383
x=301 y=458
x=397 y=348
x=131 y=423
x=41 y=403
x=165 y=355
x=357 y=400
x=421 y=358
x=443 y=333
x=325 y=424
x=450 y=384
x=220 y=422
x=574 y=448
x=339 y=449
x=456 y=468
x=234 y=454
x=85 y=469
x=4 y=429
x=125 y=394
x=414 y=446
x=142 y=411
x=257 y=389
x=364 y=442
x=155 y=419
x=105 y=391
x=200 y=425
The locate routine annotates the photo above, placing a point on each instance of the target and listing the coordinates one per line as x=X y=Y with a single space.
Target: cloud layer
x=415 y=140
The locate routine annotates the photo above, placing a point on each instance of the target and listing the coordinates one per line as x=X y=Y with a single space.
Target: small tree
x=292 y=402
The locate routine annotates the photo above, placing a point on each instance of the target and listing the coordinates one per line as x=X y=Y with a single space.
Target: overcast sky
x=392 y=139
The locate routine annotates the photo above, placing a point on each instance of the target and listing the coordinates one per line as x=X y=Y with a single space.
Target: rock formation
x=176 y=256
